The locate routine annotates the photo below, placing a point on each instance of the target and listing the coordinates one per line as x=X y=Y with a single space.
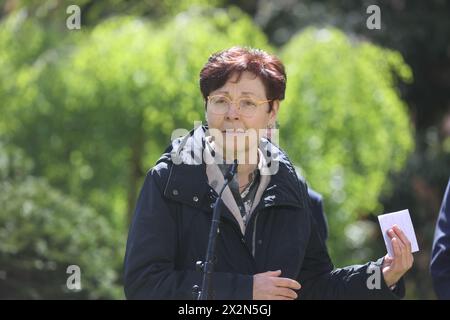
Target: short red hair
x=223 y=64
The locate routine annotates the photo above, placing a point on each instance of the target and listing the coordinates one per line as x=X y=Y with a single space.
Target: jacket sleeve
x=320 y=281
x=440 y=259
x=151 y=252
x=318 y=213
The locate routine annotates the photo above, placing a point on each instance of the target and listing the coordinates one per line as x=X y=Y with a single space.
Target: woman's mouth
x=234 y=131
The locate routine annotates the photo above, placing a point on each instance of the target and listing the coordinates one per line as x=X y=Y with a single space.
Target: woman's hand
x=269 y=286
x=395 y=267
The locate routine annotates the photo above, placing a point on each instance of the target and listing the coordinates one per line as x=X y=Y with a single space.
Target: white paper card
x=403 y=220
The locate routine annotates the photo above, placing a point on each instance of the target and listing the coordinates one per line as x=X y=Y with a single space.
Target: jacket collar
x=188 y=182
x=216 y=180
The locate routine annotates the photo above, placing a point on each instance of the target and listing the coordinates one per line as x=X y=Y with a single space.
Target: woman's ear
x=274 y=111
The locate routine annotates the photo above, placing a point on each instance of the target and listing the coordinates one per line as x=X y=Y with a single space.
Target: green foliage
x=95 y=112
x=104 y=107
x=53 y=12
x=44 y=231
x=344 y=123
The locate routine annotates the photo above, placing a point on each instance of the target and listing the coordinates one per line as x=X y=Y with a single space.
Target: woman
x=268 y=246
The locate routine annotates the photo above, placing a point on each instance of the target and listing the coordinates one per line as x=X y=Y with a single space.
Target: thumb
x=273 y=273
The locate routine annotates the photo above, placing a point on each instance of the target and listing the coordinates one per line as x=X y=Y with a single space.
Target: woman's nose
x=233 y=111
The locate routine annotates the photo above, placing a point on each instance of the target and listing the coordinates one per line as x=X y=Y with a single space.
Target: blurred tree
x=103 y=107
x=53 y=12
x=419 y=30
x=43 y=232
x=344 y=123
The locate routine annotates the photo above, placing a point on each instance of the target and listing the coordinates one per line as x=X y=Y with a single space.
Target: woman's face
x=233 y=128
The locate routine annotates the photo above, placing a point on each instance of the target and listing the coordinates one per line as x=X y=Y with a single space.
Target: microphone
x=206 y=292
x=233 y=169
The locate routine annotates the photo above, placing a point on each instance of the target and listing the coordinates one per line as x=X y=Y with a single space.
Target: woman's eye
x=221 y=100
x=248 y=103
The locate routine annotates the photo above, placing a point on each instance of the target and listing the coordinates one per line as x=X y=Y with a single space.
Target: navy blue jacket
x=170 y=228
x=440 y=259
x=318 y=213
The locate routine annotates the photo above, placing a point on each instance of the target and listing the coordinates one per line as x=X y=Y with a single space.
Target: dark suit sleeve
x=151 y=254
x=318 y=213
x=320 y=280
x=440 y=260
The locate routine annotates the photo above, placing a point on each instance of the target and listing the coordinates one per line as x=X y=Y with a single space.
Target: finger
x=408 y=261
x=280 y=298
x=403 y=237
x=396 y=259
x=276 y=273
x=411 y=260
x=393 y=235
x=403 y=258
x=387 y=261
x=401 y=245
x=396 y=249
x=285 y=292
x=287 y=283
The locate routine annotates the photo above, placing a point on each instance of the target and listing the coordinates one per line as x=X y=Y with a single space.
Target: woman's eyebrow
x=224 y=92
x=242 y=93
x=248 y=93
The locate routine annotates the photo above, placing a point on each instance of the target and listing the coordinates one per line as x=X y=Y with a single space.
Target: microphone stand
x=206 y=292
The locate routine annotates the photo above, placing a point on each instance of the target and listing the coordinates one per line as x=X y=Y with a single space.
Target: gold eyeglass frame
x=236 y=102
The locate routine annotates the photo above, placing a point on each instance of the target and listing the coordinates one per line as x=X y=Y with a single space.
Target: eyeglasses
x=219 y=104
